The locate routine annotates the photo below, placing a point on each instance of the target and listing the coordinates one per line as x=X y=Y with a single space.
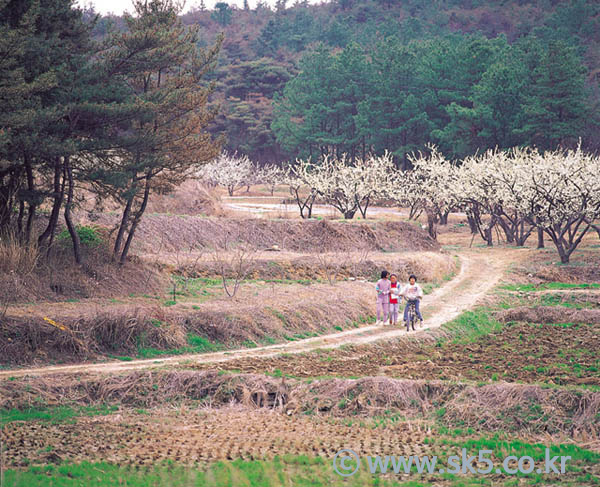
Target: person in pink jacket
x=383 y=289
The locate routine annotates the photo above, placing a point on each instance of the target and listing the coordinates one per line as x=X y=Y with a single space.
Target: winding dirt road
x=479 y=273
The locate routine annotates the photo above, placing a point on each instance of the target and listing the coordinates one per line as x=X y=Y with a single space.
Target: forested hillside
x=378 y=74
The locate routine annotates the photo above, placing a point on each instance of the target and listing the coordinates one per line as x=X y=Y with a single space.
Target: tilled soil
x=519 y=352
x=196 y=436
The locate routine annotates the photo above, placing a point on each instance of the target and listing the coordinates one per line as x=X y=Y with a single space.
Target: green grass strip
x=550 y=286
x=54 y=415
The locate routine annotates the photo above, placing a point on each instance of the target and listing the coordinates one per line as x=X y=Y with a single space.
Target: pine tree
x=317 y=114
x=393 y=116
x=222 y=13
x=554 y=110
x=165 y=140
x=49 y=44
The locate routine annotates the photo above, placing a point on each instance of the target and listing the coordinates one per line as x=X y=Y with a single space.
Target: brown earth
x=171 y=233
x=191 y=435
x=528 y=409
x=550 y=314
x=518 y=352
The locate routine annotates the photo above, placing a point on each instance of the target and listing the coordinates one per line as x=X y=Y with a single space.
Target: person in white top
x=412 y=292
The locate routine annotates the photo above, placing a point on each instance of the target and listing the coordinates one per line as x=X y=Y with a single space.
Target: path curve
x=479 y=273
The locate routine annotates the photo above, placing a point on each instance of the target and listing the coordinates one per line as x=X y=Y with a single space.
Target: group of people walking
x=389 y=295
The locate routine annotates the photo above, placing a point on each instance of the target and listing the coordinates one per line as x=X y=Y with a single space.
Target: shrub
x=88 y=236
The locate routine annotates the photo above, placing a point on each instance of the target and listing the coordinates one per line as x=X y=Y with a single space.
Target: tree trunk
x=310 y=207
x=508 y=229
x=540 y=235
x=68 y=170
x=415 y=210
x=472 y=222
x=431 y=224
x=47 y=237
x=136 y=221
x=363 y=209
x=562 y=252
x=7 y=195
x=32 y=204
x=444 y=217
x=349 y=214
x=122 y=227
x=489 y=237
x=20 y=219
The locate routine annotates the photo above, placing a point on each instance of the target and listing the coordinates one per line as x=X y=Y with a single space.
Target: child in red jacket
x=395 y=291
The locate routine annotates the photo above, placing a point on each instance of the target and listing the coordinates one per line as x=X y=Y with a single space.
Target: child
x=395 y=291
x=383 y=298
x=412 y=293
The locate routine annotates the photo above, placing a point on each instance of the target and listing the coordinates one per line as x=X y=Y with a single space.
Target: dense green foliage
x=376 y=74
x=124 y=117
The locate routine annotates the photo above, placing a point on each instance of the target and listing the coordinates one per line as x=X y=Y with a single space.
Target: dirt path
x=478 y=274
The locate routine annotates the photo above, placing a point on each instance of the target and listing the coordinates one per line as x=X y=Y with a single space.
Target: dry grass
x=527 y=409
x=27 y=339
x=429 y=266
x=27 y=276
x=524 y=409
x=549 y=314
x=17 y=257
x=258 y=315
x=180 y=232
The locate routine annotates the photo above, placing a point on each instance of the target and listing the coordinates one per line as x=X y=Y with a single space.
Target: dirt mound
x=57 y=278
x=526 y=408
x=584 y=268
x=190 y=198
x=514 y=407
x=429 y=266
x=180 y=233
x=549 y=314
x=300 y=312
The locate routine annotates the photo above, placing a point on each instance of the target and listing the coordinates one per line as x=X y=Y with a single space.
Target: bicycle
x=412 y=316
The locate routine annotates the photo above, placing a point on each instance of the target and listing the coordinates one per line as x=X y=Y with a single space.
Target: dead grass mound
x=26 y=275
x=180 y=233
x=429 y=266
x=549 y=314
x=301 y=312
x=32 y=339
x=145 y=389
x=190 y=198
x=524 y=409
x=370 y=396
